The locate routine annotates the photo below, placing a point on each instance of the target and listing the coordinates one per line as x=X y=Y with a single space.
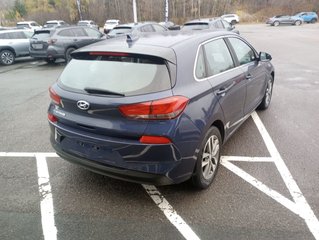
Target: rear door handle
x=248 y=76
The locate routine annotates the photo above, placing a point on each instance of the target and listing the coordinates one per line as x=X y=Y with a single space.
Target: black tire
x=50 y=60
x=267 y=97
x=298 y=23
x=276 y=23
x=208 y=159
x=313 y=20
x=233 y=22
x=68 y=52
x=7 y=57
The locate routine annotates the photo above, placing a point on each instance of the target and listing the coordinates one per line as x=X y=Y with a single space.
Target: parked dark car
x=209 y=23
x=159 y=109
x=284 y=19
x=135 y=28
x=14 y=44
x=51 y=44
x=308 y=17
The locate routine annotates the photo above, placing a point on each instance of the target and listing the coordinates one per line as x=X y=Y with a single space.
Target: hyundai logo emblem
x=83 y=105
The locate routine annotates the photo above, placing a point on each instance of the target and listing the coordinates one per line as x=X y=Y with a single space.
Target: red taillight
x=52 y=41
x=52 y=118
x=114 y=54
x=162 y=109
x=155 y=140
x=54 y=96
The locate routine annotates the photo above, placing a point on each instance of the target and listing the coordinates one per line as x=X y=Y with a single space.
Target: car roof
x=26 y=22
x=162 y=45
x=200 y=20
x=134 y=25
x=16 y=30
x=54 y=21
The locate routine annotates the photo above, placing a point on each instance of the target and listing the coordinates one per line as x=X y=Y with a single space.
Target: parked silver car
x=14 y=44
x=284 y=19
x=209 y=23
x=88 y=23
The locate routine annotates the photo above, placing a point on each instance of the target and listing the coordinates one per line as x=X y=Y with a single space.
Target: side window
x=226 y=24
x=66 y=33
x=244 y=53
x=4 y=36
x=79 y=32
x=93 y=33
x=147 y=28
x=218 y=57
x=17 y=35
x=200 y=70
x=158 y=28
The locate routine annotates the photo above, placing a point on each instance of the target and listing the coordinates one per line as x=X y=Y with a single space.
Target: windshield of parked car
x=20 y=25
x=195 y=26
x=126 y=75
x=120 y=30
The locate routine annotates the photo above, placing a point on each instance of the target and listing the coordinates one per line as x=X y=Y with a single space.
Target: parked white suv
x=231 y=18
x=55 y=23
x=110 y=24
x=29 y=25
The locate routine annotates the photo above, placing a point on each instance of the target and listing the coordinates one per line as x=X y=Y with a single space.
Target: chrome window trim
x=213 y=39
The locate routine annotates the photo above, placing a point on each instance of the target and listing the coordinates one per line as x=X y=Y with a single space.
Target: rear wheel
x=268 y=94
x=313 y=20
x=297 y=23
x=7 y=57
x=233 y=22
x=276 y=23
x=208 y=159
x=68 y=56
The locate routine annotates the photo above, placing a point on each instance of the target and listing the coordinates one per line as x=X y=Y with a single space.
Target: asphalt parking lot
x=266 y=188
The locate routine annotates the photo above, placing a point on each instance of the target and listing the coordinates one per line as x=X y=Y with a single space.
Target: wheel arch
x=8 y=48
x=220 y=126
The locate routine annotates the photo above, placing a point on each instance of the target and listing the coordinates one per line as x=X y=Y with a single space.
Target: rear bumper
x=114 y=172
x=125 y=160
x=45 y=54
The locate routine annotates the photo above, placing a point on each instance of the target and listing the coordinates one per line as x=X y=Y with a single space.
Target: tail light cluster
x=51 y=41
x=57 y=100
x=162 y=109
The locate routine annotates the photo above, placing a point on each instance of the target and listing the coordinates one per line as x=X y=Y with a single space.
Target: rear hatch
x=105 y=94
x=41 y=39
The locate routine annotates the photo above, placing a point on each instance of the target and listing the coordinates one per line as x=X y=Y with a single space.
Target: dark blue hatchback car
x=157 y=108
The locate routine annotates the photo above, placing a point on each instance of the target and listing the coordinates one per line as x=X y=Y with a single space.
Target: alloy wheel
x=7 y=57
x=210 y=157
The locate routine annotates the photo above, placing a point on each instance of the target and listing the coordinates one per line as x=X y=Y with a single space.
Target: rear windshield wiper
x=103 y=92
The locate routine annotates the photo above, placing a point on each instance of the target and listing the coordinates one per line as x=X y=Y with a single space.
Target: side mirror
x=264 y=57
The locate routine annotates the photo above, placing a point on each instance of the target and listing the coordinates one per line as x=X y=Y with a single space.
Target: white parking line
x=299 y=206
x=305 y=210
x=47 y=212
x=170 y=213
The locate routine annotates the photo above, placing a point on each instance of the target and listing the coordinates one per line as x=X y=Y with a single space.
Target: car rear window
x=41 y=35
x=120 y=73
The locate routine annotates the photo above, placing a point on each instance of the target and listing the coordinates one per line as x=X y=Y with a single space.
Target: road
x=267 y=187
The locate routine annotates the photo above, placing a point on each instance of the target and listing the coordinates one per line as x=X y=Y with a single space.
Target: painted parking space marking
x=46 y=203
x=170 y=213
x=299 y=205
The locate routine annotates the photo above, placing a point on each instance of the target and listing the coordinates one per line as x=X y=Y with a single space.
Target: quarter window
x=218 y=57
x=200 y=70
x=244 y=53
